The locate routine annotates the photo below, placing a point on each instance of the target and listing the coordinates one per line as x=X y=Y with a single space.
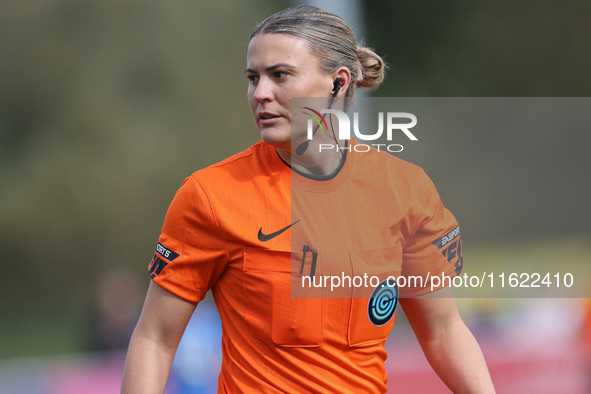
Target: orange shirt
x=271 y=245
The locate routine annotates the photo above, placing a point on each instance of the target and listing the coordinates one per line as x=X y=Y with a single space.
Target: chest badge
x=383 y=302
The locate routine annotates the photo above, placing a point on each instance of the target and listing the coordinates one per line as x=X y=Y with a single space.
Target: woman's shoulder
x=380 y=159
x=241 y=166
x=253 y=153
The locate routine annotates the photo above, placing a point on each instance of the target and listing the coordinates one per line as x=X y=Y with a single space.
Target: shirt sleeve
x=434 y=253
x=190 y=254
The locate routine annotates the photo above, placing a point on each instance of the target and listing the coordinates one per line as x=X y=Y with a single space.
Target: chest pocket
x=371 y=320
x=272 y=314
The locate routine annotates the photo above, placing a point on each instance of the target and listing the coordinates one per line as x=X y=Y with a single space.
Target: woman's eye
x=253 y=79
x=280 y=74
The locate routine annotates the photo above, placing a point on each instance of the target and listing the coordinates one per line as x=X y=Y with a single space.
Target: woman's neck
x=322 y=163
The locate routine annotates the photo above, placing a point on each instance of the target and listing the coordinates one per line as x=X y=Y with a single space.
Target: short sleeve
x=435 y=248
x=190 y=254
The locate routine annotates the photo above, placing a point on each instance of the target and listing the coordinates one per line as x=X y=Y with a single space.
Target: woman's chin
x=276 y=138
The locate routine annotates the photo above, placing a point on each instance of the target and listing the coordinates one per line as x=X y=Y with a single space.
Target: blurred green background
x=106 y=106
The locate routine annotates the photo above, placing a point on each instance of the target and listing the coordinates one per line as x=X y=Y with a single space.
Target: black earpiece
x=338 y=83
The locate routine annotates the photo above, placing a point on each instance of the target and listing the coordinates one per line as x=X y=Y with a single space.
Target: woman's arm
x=448 y=344
x=154 y=341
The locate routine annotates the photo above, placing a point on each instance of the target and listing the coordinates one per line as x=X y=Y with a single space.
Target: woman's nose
x=264 y=90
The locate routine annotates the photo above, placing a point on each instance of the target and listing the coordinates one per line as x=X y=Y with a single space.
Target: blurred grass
x=40 y=337
x=560 y=254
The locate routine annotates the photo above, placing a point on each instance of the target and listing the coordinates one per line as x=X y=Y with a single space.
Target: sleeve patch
x=156 y=266
x=450 y=246
x=447 y=238
x=165 y=252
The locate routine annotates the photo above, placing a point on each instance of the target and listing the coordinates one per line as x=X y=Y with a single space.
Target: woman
x=248 y=228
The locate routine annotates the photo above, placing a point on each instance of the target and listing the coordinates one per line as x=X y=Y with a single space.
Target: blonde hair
x=331 y=41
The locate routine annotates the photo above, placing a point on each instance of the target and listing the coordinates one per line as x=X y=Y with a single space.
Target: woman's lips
x=268 y=119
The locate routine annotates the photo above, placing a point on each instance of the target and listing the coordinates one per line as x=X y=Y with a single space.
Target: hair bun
x=372 y=68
